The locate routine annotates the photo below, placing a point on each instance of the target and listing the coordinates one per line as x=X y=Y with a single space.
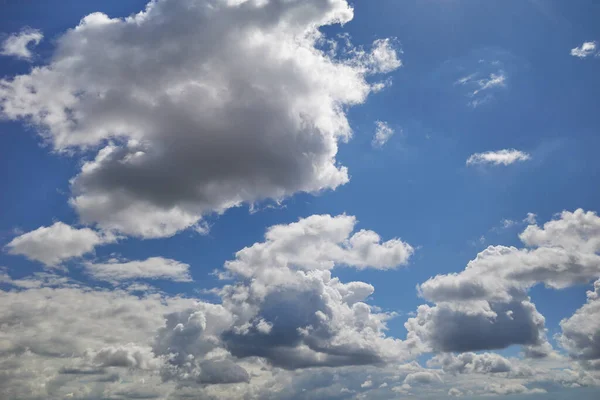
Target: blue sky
x=465 y=78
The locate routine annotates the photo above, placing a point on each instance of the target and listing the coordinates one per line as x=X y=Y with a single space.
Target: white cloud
x=383 y=57
x=585 y=50
x=320 y=242
x=484 y=363
x=485 y=83
x=422 y=378
x=18 y=44
x=383 y=133
x=580 y=334
x=486 y=307
x=500 y=157
x=192 y=130
x=151 y=268
x=57 y=243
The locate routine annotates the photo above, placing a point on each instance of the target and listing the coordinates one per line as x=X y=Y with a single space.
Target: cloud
x=500 y=157
x=585 y=50
x=313 y=318
x=320 y=242
x=484 y=363
x=56 y=243
x=383 y=133
x=421 y=378
x=483 y=84
x=189 y=129
x=151 y=268
x=476 y=326
x=512 y=388
x=486 y=307
x=580 y=334
x=18 y=44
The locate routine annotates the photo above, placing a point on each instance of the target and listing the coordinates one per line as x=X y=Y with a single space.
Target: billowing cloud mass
x=151 y=268
x=279 y=326
x=581 y=332
x=585 y=50
x=283 y=310
x=189 y=129
x=500 y=157
x=383 y=133
x=59 y=242
x=486 y=306
x=18 y=44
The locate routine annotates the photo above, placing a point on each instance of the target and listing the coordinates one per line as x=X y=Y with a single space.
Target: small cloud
x=483 y=84
x=530 y=219
x=508 y=223
x=383 y=133
x=585 y=50
x=366 y=384
x=17 y=44
x=500 y=157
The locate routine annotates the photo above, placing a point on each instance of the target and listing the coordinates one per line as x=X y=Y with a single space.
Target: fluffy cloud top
x=191 y=129
x=500 y=157
x=56 y=243
x=151 y=268
x=18 y=44
x=320 y=242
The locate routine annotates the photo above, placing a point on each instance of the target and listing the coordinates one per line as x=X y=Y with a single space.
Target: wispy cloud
x=500 y=157
x=481 y=88
x=585 y=50
x=17 y=44
x=383 y=133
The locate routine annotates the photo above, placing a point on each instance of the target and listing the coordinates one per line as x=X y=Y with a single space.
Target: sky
x=299 y=199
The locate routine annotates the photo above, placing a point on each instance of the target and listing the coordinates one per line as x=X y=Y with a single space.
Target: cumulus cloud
x=472 y=363
x=190 y=129
x=580 y=334
x=486 y=307
x=59 y=242
x=18 y=44
x=319 y=242
x=585 y=50
x=151 y=268
x=383 y=133
x=500 y=157
x=421 y=378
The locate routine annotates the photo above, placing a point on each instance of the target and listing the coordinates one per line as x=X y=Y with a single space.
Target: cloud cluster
x=486 y=307
x=18 y=44
x=185 y=129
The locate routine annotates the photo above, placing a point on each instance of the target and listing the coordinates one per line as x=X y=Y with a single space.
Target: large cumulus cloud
x=486 y=306
x=198 y=105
